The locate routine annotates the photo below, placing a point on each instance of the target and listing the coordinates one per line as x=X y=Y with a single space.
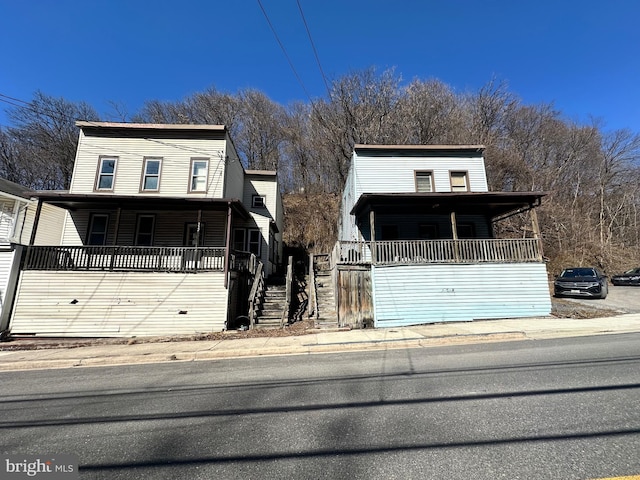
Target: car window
x=578 y=272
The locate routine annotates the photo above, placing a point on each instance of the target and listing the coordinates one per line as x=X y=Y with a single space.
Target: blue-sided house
x=418 y=243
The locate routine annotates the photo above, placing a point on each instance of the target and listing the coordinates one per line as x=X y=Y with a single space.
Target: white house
x=162 y=228
x=416 y=228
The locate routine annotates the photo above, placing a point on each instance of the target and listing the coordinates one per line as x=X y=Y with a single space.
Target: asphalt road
x=520 y=410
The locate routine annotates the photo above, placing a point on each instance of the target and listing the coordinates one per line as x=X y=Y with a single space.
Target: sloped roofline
x=146 y=126
x=435 y=148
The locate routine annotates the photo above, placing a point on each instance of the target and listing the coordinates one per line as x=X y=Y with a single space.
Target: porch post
x=454 y=231
x=115 y=233
x=36 y=220
x=227 y=247
x=536 y=231
x=198 y=228
x=372 y=227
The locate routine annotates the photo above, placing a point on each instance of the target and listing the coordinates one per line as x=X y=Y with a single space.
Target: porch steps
x=273 y=305
x=327 y=317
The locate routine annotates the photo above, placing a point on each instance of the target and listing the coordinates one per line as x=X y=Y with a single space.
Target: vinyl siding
x=395 y=174
x=119 y=304
x=6 y=261
x=169 y=227
x=50 y=225
x=175 y=173
x=416 y=294
x=234 y=174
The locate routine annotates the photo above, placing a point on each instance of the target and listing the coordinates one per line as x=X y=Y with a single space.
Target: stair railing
x=288 y=287
x=313 y=294
x=256 y=294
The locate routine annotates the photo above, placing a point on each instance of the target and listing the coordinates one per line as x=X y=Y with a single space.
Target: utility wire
x=313 y=46
x=273 y=30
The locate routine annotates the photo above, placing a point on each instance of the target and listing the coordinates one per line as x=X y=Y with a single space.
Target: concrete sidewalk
x=421 y=336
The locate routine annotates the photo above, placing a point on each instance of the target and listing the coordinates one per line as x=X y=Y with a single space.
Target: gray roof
x=14 y=189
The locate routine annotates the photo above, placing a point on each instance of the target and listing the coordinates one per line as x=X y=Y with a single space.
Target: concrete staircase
x=273 y=304
x=327 y=317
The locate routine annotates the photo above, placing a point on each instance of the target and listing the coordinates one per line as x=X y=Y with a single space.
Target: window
x=98 y=224
x=191 y=233
x=254 y=242
x=459 y=182
x=424 y=182
x=144 y=230
x=428 y=231
x=106 y=173
x=247 y=240
x=239 y=236
x=257 y=201
x=199 y=174
x=151 y=175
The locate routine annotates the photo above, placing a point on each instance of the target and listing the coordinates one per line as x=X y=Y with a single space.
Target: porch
x=137 y=259
x=444 y=251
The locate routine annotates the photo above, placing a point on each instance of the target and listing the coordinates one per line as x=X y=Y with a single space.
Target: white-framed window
x=258 y=201
x=98 y=227
x=191 y=234
x=106 y=173
x=199 y=175
x=424 y=181
x=151 y=174
x=459 y=182
x=145 y=226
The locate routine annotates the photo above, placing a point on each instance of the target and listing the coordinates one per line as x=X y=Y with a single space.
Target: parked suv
x=581 y=282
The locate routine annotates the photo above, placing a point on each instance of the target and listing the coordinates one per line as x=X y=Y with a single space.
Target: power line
x=313 y=46
x=293 y=69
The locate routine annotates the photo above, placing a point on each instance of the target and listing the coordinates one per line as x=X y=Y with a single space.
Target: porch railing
x=440 y=251
x=128 y=258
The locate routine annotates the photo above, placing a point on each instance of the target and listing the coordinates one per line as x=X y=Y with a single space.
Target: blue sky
x=581 y=55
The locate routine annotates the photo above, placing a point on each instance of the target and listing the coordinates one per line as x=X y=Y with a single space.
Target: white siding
x=266 y=186
x=347 y=230
x=50 y=225
x=395 y=174
x=416 y=294
x=6 y=261
x=234 y=174
x=176 y=157
x=119 y=304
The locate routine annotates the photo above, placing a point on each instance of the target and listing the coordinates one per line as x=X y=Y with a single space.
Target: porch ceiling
x=493 y=204
x=70 y=201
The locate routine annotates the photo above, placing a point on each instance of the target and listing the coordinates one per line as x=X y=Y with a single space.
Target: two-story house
x=417 y=241
x=162 y=225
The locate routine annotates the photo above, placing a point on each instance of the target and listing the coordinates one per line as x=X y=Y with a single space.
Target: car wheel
x=604 y=291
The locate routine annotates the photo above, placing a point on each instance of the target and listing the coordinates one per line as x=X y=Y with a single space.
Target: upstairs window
x=199 y=175
x=459 y=182
x=144 y=230
x=257 y=201
x=106 y=173
x=424 y=182
x=151 y=174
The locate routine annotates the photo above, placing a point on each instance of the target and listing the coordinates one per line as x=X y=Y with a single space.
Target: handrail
x=256 y=293
x=288 y=288
x=313 y=294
